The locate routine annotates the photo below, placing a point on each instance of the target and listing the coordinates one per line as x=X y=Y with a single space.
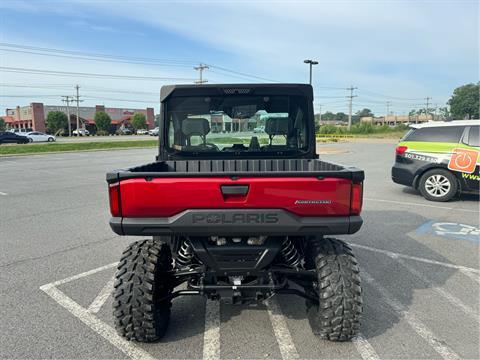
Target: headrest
x=195 y=126
x=254 y=144
x=277 y=126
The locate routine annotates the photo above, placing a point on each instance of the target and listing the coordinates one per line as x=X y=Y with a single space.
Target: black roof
x=236 y=89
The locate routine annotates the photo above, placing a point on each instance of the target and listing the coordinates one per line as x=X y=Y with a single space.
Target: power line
x=30 y=96
x=126 y=59
x=67 y=99
x=382 y=100
x=96 y=59
x=115 y=99
x=389 y=96
x=200 y=68
x=77 y=99
x=329 y=97
x=351 y=96
x=427 y=99
x=91 y=54
x=88 y=75
x=240 y=73
x=93 y=88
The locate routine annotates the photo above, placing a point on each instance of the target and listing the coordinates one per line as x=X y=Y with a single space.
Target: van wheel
x=438 y=185
x=336 y=317
x=141 y=303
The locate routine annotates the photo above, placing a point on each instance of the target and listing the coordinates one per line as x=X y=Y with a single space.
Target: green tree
x=444 y=112
x=102 y=122
x=156 y=122
x=139 y=121
x=2 y=124
x=56 y=120
x=464 y=103
x=364 y=113
x=328 y=116
x=341 y=116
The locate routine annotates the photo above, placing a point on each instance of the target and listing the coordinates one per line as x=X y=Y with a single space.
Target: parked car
x=260 y=129
x=20 y=131
x=441 y=159
x=37 y=136
x=154 y=132
x=124 y=131
x=142 y=132
x=12 y=138
x=81 y=132
x=237 y=222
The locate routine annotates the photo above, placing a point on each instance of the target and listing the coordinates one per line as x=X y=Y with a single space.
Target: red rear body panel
x=303 y=196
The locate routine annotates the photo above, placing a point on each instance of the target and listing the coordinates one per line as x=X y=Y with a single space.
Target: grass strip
x=80 y=146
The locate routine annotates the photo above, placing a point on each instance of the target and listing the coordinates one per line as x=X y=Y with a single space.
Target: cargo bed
x=267 y=196
x=250 y=168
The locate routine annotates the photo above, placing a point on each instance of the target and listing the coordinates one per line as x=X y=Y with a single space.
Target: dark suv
x=12 y=138
x=440 y=159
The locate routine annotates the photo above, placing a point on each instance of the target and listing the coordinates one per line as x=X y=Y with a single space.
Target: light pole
x=311 y=63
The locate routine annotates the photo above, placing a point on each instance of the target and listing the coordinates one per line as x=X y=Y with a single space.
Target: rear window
x=447 y=134
x=473 y=136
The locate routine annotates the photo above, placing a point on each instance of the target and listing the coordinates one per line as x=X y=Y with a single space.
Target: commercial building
x=397 y=119
x=34 y=116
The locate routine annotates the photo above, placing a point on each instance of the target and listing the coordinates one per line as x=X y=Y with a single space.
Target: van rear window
x=447 y=134
x=473 y=138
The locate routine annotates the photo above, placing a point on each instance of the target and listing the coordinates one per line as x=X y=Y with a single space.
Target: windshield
x=237 y=124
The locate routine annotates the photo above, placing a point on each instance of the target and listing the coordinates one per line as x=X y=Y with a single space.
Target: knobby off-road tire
x=141 y=281
x=337 y=316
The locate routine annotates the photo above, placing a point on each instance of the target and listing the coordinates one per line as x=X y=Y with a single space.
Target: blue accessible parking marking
x=450 y=230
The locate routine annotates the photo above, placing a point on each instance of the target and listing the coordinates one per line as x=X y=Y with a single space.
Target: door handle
x=234 y=189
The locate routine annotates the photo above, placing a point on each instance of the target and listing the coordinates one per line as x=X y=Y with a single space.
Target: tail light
x=400 y=150
x=114 y=194
x=356 y=199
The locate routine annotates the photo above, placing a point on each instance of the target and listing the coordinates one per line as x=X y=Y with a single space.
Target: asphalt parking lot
x=419 y=262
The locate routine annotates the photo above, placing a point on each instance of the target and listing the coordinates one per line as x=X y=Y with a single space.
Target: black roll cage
x=303 y=90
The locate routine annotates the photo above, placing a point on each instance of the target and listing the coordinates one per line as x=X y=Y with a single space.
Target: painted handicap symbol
x=451 y=230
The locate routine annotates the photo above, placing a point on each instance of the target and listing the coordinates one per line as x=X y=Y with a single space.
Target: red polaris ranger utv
x=238 y=206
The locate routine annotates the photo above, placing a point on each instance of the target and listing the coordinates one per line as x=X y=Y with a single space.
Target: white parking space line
x=211 y=336
x=419 y=327
x=419 y=204
x=97 y=304
x=364 y=348
x=282 y=334
x=107 y=332
x=451 y=298
x=463 y=269
x=471 y=275
x=84 y=274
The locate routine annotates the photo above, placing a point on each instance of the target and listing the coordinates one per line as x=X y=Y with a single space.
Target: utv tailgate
x=281 y=199
x=163 y=197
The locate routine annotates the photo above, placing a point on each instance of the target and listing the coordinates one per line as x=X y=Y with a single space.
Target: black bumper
x=403 y=174
x=237 y=222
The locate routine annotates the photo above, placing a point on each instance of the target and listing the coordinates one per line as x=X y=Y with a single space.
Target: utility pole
x=320 y=116
x=67 y=101
x=388 y=111
x=351 y=96
x=311 y=63
x=200 y=68
x=426 y=108
x=77 y=99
